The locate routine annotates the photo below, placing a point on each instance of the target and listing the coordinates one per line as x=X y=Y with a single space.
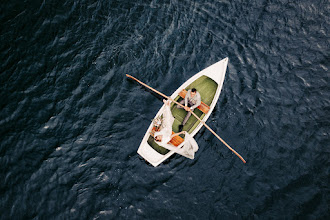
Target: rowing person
x=191 y=101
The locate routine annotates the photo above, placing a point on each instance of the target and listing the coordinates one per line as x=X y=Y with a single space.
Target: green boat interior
x=207 y=88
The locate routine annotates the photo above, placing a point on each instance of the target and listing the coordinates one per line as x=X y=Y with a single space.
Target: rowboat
x=208 y=83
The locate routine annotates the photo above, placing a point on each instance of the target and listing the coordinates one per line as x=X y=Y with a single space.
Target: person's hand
x=166 y=102
x=186 y=108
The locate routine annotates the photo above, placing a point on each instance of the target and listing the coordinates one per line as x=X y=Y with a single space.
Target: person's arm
x=176 y=134
x=186 y=98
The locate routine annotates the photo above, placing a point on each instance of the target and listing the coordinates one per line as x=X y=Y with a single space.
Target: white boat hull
x=216 y=72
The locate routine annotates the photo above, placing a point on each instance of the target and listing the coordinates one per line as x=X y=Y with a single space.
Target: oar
x=215 y=134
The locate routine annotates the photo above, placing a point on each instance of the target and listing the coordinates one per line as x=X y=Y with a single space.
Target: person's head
x=158 y=138
x=193 y=92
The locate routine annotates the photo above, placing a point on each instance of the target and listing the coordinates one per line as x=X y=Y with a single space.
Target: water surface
x=71 y=122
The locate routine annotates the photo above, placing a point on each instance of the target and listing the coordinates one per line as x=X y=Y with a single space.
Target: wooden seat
x=175 y=141
x=203 y=107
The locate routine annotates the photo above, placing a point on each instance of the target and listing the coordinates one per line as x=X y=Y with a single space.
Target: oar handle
x=165 y=96
x=148 y=87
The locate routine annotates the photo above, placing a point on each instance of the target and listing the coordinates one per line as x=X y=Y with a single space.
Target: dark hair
x=193 y=90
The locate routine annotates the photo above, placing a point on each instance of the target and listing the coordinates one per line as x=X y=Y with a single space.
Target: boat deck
x=207 y=89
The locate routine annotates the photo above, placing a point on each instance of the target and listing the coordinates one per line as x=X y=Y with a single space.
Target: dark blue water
x=71 y=122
